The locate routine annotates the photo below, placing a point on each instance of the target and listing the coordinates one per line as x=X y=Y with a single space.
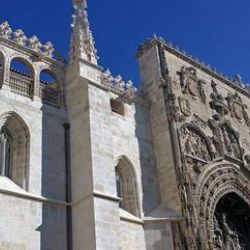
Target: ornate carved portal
x=222 y=203
x=231 y=223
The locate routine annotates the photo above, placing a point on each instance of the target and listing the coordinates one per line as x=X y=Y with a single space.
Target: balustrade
x=20 y=83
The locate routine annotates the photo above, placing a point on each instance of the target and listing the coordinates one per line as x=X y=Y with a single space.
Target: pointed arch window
x=14 y=149
x=126 y=186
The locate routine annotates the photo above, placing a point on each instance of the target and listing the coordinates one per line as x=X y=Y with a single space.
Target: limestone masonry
x=88 y=162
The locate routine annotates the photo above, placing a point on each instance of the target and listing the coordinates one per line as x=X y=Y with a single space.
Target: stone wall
x=34 y=217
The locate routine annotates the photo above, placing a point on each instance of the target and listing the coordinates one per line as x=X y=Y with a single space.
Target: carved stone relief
x=184 y=106
x=215 y=221
x=195 y=144
x=237 y=108
x=172 y=108
x=198 y=121
x=191 y=84
x=225 y=137
x=217 y=101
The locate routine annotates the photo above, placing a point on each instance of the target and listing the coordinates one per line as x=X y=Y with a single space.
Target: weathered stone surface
x=164 y=167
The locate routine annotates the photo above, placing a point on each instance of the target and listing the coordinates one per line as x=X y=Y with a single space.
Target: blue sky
x=216 y=31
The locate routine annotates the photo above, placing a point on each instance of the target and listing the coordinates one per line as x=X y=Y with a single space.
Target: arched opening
x=231 y=223
x=47 y=77
x=49 y=85
x=126 y=186
x=14 y=149
x=21 y=76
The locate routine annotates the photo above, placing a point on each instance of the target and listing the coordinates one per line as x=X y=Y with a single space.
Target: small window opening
x=117 y=107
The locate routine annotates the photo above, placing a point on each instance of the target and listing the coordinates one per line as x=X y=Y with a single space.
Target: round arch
x=22 y=66
x=22 y=76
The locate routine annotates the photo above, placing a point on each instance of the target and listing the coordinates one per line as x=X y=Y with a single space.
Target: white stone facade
x=94 y=164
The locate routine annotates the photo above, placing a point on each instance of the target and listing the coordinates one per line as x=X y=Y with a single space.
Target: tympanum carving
x=195 y=144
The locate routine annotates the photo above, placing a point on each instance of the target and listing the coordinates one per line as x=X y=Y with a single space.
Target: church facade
x=88 y=162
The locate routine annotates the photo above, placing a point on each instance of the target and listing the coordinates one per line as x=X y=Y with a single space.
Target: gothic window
x=14 y=149
x=126 y=186
x=117 y=107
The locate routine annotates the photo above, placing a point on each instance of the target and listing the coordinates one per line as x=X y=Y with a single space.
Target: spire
x=82 y=41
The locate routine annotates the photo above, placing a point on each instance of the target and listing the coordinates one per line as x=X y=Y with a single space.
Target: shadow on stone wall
x=54 y=221
x=143 y=133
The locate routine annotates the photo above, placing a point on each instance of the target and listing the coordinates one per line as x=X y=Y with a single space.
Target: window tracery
x=126 y=186
x=14 y=149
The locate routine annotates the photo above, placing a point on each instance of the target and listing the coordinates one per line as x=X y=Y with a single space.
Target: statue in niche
x=237 y=108
x=190 y=84
x=217 y=101
x=202 y=91
x=194 y=144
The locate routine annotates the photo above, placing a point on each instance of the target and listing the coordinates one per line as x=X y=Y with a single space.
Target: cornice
x=29 y=52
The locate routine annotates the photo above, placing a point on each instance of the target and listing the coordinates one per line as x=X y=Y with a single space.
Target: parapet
x=40 y=72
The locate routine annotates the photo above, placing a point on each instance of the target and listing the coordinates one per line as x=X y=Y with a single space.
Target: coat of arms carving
x=237 y=108
x=191 y=84
x=184 y=106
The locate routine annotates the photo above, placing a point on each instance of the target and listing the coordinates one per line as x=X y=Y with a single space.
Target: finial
x=82 y=41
